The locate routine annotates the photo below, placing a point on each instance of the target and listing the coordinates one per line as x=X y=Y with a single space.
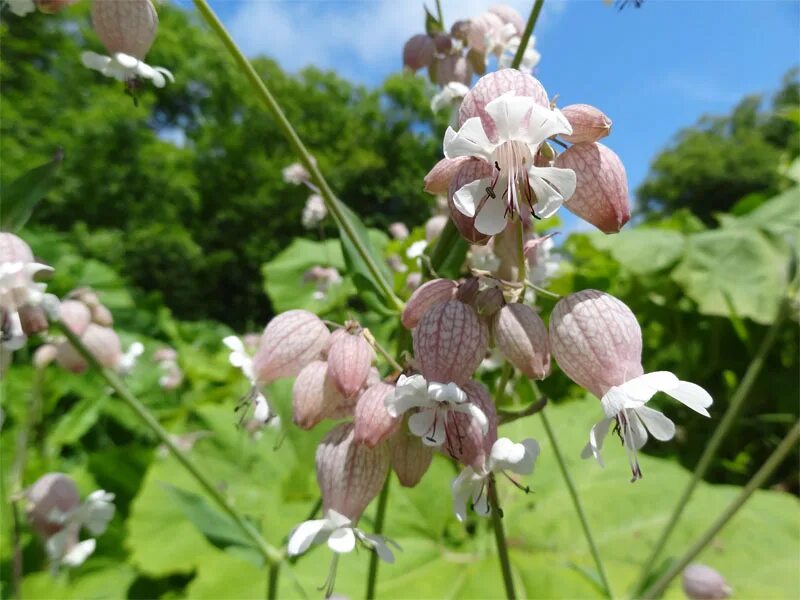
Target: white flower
x=17 y=287
x=295 y=174
x=128 y=360
x=522 y=127
x=13 y=337
x=21 y=7
x=530 y=58
x=94 y=514
x=239 y=358
x=470 y=485
x=416 y=249
x=314 y=211
x=124 y=67
x=543 y=264
x=450 y=96
x=625 y=404
x=340 y=534
x=435 y=401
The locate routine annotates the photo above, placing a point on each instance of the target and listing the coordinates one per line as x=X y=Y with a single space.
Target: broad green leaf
x=447 y=256
x=643 y=250
x=739 y=265
x=21 y=195
x=77 y=421
x=94 y=580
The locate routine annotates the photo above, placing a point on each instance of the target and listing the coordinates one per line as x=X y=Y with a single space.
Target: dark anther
x=496 y=165
x=490 y=192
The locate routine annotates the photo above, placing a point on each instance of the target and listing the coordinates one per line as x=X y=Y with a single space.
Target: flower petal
x=656 y=423
x=377 y=543
x=342 y=540
x=692 y=395
x=410 y=392
x=475 y=412
x=596 y=437
x=470 y=140
x=509 y=114
x=552 y=187
x=462 y=490
x=78 y=554
x=544 y=123
x=468 y=197
x=491 y=218
x=422 y=423
x=305 y=534
x=93 y=60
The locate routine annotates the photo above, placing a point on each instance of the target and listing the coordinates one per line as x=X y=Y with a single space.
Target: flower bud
x=508 y=15
x=589 y=124
x=443 y=43
x=398 y=231
x=469 y=172
x=489 y=301
x=601 y=193
x=481 y=29
x=349 y=361
x=290 y=341
x=596 y=340
x=453 y=67
x=434 y=227
x=14 y=249
x=75 y=315
x=418 y=52
x=165 y=354
x=450 y=342
x=102 y=342
x=465 y=441
x=350 y=475
x=493 y=86
x=314 y=397
x=424 y=297
x=413 y=280
x=468 y=290
x=410 y=457
x=521 y=336
x=32 y=319
x=102 y=316
x=704 y=583
x=51 y=492
x=128 y=27
x=438 y=179
x=374 y=377
x=372 y=421
x=44 y=355
x=460 y=30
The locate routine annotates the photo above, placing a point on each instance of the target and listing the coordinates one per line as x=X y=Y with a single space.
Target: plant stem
x=710 y=451
x=271 y=555
x=500 y=538
x=332 y=203
x=439 y=13
x=272 y=584
x=380 y=515
x=587 y=531
x=526 y=35
x=774 y=460
x=382 y=351
x=509 y=417
x=522 y=266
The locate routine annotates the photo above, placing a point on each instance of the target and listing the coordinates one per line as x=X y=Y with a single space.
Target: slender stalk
x=587 y=531
x=382 y=351
x=380 y=515
x=439 y=12
x=271 y=555
x=500 y=538
x=522 y=265
x=774 y=460
x=332 y=203
x=710 y=451
x=500 y=391
x=526 y=35
x=272 y=583
x=506 y=416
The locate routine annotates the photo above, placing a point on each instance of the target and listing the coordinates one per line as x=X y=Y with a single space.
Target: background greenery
x=188 y=242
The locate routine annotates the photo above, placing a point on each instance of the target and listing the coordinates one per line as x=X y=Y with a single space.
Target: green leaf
x=21 y=195
x=447 y=256
x=643 y=250
x=432 y=24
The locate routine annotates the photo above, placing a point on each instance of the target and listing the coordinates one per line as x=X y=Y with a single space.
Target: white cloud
x=362 y=39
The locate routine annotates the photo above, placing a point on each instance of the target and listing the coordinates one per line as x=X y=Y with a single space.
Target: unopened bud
x=460 y=30
x=102 y=342
x=128 y=27
x=314 y=397
x=521 y=336
x=468 y=290
x=481 y=29
x=489 y=301
x=601 y=192
x=373 y=423
x=418 y=52
x=443 y=43
x=102 y=316
x=349 y=360
x=465 y=441
x=413 y=280
x=596 y=340
x=32 y=319
x=429 y=294
x=290 y=341
x=44 y=355
x=434 y=227
x=410 y=457
x=398 y=231
x=589 y=124
x=350 y=475
x=704 y=583
x=453 y=67
x=450 y=342
x=75 y=315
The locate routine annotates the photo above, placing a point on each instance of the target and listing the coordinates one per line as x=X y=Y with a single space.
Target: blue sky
x=653 y=70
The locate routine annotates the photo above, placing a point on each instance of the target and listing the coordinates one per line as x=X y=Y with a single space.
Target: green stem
x=506 y=416
x=332 y=203
x=587 y=531
x=272 y=589
x=500 y=538
x=772 y=463
x=270 y=554
x=710 y=450
x=383 y=500
x=439 y=13
x=526 y=35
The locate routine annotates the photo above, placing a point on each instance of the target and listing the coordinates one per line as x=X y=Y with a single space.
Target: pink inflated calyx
x=494 y=85
x=429 y=294
x=589 y=124
x=373 y=423
x=75 y=315
x=290 y=341
x=596 y=340
x=438 y=179
x=450 y=342
x=465 y=441
x=350 y=475
x=410 y=457
x=128 y=27
x=314 y=397
x=349 y=360
x=521 y=336
x=53 y=493
x=601 y=192
x=102 y=342
x=418 y=51
x=509 y=15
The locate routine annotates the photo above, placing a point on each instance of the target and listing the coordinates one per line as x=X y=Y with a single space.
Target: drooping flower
x=314 y=212
x=435 y=401
x=598 y=343
x=295 y=174
x=543 y=263
x=530 y=57
x=290 y=341
x=514 y=184
x=21 y=7
x=239 y=358
x=469 y=486
x=17 y=286
x=450 y=96
x=324 y=278
x=129 y=358
x=701 y=582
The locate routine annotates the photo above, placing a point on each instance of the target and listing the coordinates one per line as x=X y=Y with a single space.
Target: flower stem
x=500 y=537
x=382 y=351
x=439 y=12
x=272 y=589
x=774 y=460
x=506 y=416
x=522 y=265
x=587 y=531
x=271 y=555
x=526 y=35
x=710 y=451
x=332 y=203
x=383 y=500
